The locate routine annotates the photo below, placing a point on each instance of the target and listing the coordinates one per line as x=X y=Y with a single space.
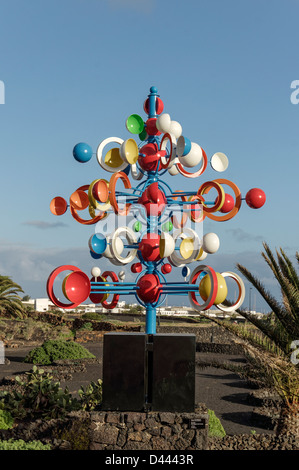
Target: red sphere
x=153 y=207
x=166 y=268
x=159 y=106
x=229 y=204
x=149 y=157
x=149 y=247
x=149 y=288
x=151 y=127
x=136 y=268
x=255 y=198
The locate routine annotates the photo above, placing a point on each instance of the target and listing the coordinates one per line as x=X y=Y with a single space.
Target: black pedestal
x=148 y=372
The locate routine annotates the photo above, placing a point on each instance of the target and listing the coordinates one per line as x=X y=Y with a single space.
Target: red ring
x=50 y=284
x=214 y=277
x=115 y=299
x=166 y=136
x=197 y=173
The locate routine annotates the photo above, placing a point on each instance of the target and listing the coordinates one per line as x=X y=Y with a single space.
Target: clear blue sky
x=74 y=70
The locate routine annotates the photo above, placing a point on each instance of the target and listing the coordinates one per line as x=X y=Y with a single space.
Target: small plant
x=40 y=396
x=19 y=444
x=54 y=350
x=86 y=327
x=6 y=420
x=215 y=427
x=92 y=396
x=94 y=316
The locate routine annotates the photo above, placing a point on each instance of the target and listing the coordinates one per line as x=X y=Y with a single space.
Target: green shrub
x=94 y=316
x=215 y=427
x=54 y=350
x=19 y=444
x=86 y=327
x=6 y=420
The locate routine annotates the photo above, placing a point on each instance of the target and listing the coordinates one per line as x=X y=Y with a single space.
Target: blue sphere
x=82 y=152
x=95 y=255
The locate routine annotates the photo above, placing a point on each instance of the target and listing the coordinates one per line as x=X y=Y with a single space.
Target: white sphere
x=210 y=243
x=95 y=272
x=193 y=158
x=121 y=275
x=175 y=129
x=163 y=123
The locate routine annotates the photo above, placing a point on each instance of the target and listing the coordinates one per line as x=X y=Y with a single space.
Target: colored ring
x=197 y=173
x=177 y=260
x=50 y=284
x=184 y=218
x=237 y=206
x=94 y=220
x=203 y=214
x=131 y=239
x=205 y=188
x=136 y=173
x=214 y=287
x=241 y=296
x=168 y=138
x=100 y=148
x=115 y=299
x=112 y=196
x=102 y=207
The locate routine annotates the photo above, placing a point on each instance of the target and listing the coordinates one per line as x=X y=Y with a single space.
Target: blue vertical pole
x=150 y=327
x=152 y=102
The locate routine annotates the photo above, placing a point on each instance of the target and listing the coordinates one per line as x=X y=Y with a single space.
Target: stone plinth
x=114 y=430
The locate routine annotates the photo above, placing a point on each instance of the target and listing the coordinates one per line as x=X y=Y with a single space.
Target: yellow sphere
x=205 y=288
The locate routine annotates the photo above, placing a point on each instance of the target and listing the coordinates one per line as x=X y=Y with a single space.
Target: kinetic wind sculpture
x=159 y=240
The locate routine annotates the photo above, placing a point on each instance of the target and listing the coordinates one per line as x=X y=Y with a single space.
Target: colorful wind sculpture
x=162 y=233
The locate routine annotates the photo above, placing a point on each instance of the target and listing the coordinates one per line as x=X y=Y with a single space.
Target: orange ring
x=79 y=219
x=197 y=173
x=184 y=218
x=112 y=197
x=202 y=217
x=237 y=206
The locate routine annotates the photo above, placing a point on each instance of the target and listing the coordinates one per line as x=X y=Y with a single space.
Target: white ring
x=131 y=239
x=136 y=173
x=100 y=148
x=177 y=260
x=241 y=292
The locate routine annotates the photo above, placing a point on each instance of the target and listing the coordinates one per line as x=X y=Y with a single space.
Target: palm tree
x=282 y=330
x=10 y=301
x=269 y=353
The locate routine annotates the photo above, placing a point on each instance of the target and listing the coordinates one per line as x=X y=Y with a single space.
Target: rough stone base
x=113 y=430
